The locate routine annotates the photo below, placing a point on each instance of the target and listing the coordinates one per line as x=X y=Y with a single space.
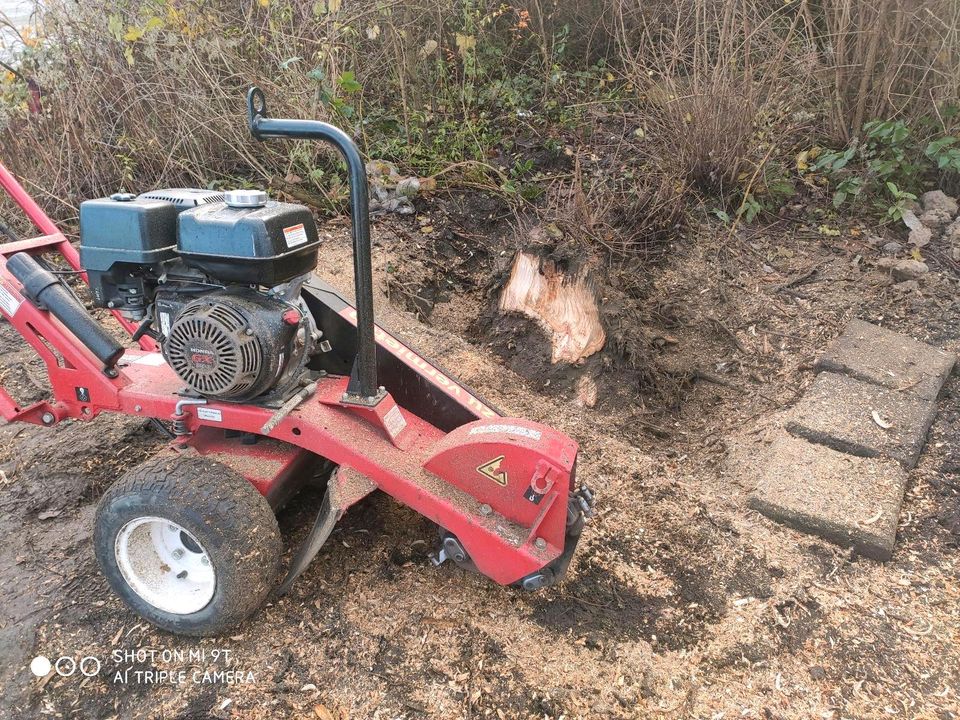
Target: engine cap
x=245 y=198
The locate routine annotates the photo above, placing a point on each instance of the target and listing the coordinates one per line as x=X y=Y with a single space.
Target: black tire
x=222 y=511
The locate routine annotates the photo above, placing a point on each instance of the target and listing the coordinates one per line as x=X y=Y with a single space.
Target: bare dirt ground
x=681 y=602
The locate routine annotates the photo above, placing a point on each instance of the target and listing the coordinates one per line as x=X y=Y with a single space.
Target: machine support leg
x=322 y=527
x=344 y=488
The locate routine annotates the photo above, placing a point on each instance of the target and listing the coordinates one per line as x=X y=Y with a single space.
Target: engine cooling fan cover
x=214 y=348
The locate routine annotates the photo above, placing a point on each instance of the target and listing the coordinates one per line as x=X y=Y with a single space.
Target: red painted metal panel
x=276 y=469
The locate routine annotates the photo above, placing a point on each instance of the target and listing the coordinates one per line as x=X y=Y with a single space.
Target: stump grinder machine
x=263 y=377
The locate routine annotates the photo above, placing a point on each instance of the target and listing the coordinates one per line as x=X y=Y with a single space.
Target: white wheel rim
x=165 y=565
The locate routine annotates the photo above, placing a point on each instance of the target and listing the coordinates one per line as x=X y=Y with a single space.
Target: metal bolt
x=137 y=408
x=177 y=554
x=249 y=331
x=111 y=304
x=540 y=543
x=204 y=560
x=47 y=418
x=485 y=509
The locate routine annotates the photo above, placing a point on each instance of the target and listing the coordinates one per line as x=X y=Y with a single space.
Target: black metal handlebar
x=362 y=388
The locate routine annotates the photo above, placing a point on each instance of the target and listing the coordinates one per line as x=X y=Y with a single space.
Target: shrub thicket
x=700 y=97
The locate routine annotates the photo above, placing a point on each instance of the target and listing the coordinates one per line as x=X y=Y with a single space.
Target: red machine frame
x=502 y=486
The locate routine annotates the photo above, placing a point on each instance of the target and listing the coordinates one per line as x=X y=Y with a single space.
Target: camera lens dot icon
x=40 y=666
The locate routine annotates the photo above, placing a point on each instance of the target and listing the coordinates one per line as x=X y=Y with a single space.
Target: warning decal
x=393 y=421
x=509 y=429
x=492 y=470
x=211 y=414
x=8 y=303
x=295 y=235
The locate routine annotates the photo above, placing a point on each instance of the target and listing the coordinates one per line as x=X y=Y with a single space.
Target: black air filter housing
x=121 y=238
x=125 y=238
x=266 y=245
x=123 y=228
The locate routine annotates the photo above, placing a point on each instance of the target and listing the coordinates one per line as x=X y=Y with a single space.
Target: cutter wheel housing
x=267 y=376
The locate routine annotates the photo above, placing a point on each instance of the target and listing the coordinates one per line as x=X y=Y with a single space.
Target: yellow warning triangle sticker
x=492 y=470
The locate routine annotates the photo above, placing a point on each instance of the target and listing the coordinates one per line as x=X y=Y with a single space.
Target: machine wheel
x=188 y=544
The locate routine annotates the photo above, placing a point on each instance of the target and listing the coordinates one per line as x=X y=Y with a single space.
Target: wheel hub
x=165 y=565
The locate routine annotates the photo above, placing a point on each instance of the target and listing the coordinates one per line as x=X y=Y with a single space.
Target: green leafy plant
x=516 y=184
x=332 y=94
x=850 y=187
x=901 y=201
x=749 y=208
x=722 y=215
x=945 y=153
x=889 y=157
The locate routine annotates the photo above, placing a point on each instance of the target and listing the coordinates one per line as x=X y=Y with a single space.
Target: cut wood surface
x=565 y=306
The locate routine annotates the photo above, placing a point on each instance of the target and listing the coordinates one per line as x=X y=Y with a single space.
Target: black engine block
x=214 y=278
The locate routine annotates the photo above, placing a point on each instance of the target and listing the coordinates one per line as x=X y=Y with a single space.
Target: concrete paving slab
x=838 y=411
x=873 y=354
x=849 y=500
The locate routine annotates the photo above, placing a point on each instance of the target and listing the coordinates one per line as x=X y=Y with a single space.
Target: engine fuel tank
x=261 y=242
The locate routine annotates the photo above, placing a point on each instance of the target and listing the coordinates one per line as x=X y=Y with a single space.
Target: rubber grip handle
x=48 y=291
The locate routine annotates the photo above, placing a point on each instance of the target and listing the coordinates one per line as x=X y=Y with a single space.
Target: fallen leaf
x=47 y=514
x=553 y=231
x=465 y=43
x=322 y=712
x=879 y=420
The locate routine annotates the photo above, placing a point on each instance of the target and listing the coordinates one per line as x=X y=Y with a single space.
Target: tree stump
x=564 y=305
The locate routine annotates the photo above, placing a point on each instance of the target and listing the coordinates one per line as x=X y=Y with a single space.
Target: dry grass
x=711 y=92
x=727 y=85
x=883 y=58
x=708 y=74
